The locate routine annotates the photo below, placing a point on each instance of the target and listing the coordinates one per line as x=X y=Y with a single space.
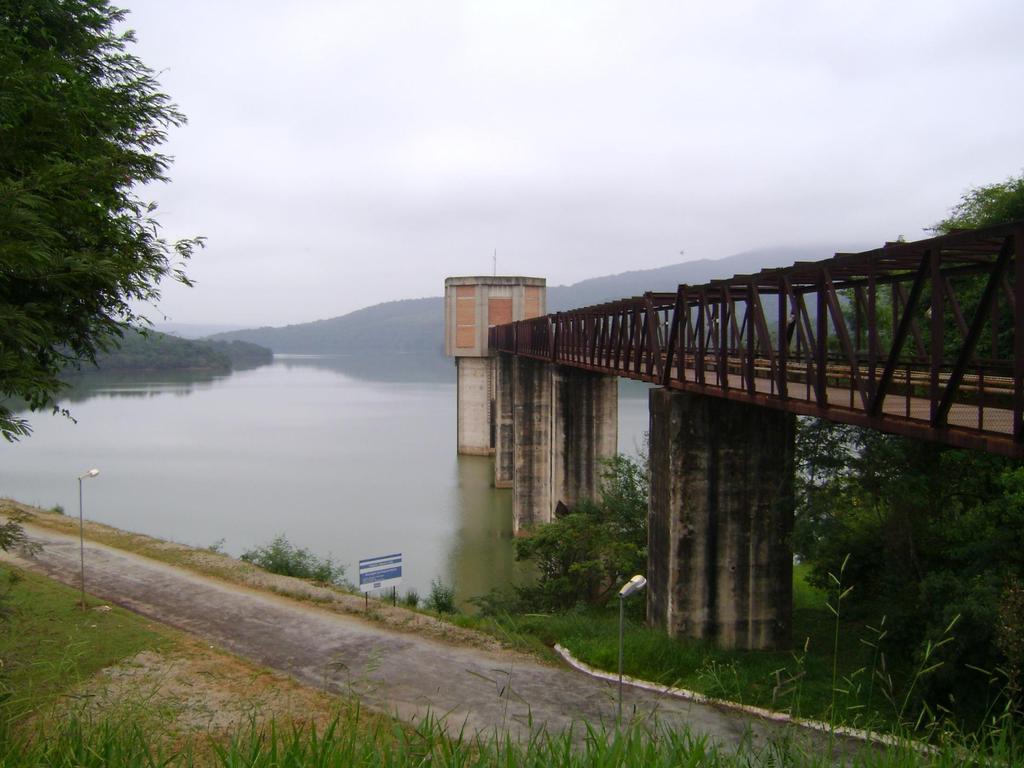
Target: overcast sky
x=341 y=153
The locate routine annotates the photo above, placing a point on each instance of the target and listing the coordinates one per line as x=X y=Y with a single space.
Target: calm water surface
x=347 y=460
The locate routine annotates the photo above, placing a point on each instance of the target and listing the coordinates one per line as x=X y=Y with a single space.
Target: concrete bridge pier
x=564 y=422
x=585 y=425
x=504 y=403
x=475 y=392
x=531 y=449
x=721 y=512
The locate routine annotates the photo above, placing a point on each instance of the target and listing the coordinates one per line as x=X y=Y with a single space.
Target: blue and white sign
x=380 y=572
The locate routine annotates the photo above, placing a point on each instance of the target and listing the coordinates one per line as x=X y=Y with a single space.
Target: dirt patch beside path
x=192 y=689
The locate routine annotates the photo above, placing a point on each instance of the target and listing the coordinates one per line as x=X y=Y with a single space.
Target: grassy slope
x=801 y=682
x=48 y=644
x=106 y=672
x=56 y=646
x=49 y=647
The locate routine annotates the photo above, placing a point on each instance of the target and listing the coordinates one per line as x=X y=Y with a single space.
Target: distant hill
x=417 y=325
x=160 y=352
x=409 y=326
x=195 y=330
x=600 y=289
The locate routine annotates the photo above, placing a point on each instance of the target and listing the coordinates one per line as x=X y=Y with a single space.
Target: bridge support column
x=475 y=393
x=564 y=422
x=504 y=454
x=531 y=486
x=585 y=431
x=721 y=512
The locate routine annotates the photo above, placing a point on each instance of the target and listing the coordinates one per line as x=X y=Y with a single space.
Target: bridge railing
x=921 y=338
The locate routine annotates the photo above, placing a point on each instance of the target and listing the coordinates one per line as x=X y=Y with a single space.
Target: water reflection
x=138 y=384
x=396 y=367
x=344 y=465
x=482 y=554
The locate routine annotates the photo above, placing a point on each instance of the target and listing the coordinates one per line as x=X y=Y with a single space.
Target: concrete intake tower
x=472 y=305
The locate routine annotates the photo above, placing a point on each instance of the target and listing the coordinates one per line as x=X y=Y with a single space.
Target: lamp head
x=90 y=473
x=632 y=586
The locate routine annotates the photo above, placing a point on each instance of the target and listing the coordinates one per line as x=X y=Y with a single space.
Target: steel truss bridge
x=923 y=339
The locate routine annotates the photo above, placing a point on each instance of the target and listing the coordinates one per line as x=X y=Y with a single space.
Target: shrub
x=282 y=557
x=498 y=604
x=441 y=598
x=584 y=553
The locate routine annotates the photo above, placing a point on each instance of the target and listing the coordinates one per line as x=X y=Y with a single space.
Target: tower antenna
x=495 y=262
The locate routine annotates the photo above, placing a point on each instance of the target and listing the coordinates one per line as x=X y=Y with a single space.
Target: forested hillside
x=417 y=325
x=413 y=325
x=159 y=352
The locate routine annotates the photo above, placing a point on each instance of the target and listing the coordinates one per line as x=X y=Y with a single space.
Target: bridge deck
x=921 y=339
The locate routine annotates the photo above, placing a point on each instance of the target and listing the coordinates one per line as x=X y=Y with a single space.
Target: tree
x=983 y=206
x=583 y=555
x=81 y=119
x=932 y=534
x=986 y=206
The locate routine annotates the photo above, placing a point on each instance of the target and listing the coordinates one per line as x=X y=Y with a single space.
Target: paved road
x=401 y=673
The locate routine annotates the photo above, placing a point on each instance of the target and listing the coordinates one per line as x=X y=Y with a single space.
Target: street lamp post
x=634 y=585
x=81 y=530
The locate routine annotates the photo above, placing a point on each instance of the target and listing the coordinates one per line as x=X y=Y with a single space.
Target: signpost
x=380 y=573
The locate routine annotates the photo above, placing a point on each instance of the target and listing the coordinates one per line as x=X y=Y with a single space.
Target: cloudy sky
x=343 y=153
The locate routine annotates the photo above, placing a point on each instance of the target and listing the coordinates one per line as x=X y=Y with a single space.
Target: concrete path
x=401 y=673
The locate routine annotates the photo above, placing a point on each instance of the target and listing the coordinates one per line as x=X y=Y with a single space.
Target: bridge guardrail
x=923 y=339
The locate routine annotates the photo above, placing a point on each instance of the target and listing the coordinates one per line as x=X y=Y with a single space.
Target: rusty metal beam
x=974 y=333
x=810 y=366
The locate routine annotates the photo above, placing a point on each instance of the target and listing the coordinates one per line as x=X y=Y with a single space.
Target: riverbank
x=471 y=689
x=218 y=565
x=351 y=659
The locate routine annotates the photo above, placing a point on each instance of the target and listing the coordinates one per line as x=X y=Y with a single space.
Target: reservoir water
x=346 y=458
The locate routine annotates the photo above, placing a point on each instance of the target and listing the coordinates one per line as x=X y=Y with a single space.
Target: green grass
x=348 y=741
x=805 y=596
x=828 y=676
x=48 y=644
x=809 y=682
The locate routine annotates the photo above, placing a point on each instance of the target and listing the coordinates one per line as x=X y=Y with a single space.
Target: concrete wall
x=504 y=439
x=473 y=304
x=721 y=512
x=475 y=393
x=585 y=430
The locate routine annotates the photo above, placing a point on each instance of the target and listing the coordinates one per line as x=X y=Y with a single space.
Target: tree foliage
x=13 y=536
x=931 y=533
x=81 y=120
x=986 y=206
x=583 y=555
x=983 y=206
x=152 y=351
